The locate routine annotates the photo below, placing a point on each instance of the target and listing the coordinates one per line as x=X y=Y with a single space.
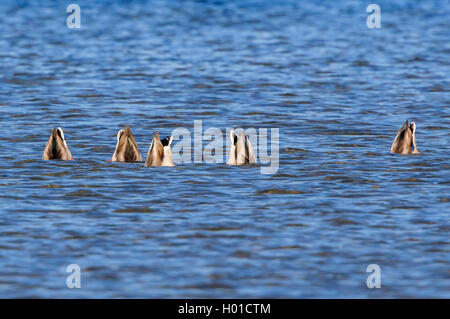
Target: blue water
x=337 y=90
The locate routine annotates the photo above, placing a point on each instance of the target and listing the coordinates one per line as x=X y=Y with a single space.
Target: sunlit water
x=337 y=91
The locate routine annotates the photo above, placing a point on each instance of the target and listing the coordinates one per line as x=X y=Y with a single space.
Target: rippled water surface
x=337 y=91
